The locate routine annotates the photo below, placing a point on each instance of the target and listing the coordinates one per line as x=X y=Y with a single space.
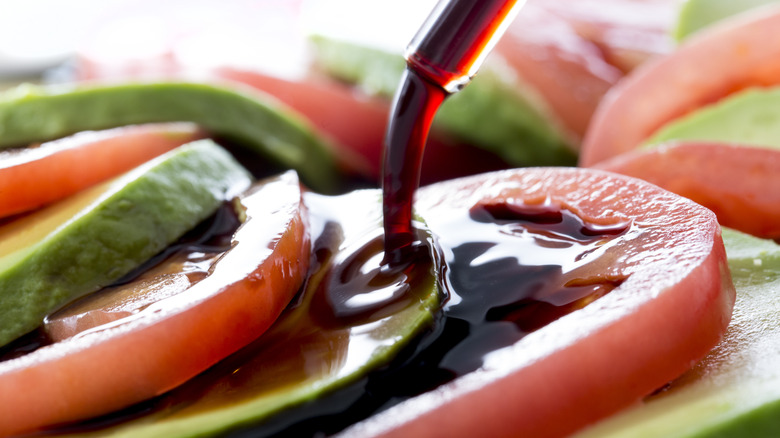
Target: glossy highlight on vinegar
x=512 y=269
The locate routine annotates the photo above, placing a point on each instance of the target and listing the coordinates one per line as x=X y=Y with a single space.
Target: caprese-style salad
x=184 y=258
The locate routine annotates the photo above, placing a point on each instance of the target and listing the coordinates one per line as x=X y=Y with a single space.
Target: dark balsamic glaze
x=512 y=268
x=441 y=59
x=360 y=288
x=492 y=304
x=411 y=118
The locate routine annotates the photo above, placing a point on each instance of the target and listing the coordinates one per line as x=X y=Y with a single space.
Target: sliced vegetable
x=332 y=107
x=567 y=71
x=309 y=352
x=172 y=340
x=671 y=306
x=358 y=122
x=695 y=15
x=30 y=114
x=738 y=183
x=726 y=58
x=496 y=112
x=735 y=390
x=77 y=246
x=35 y=176
x=748 y=117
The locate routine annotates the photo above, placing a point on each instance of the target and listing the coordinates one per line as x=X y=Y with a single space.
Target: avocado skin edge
x=160 y=202
x=32 y=114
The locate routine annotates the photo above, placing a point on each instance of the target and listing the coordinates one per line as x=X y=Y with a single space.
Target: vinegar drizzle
x=441 y=59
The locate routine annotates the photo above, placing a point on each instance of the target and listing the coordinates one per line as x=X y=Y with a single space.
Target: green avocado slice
x=494 y=112
x=735 y=390
x=695 y=15
x=302 y=357
x=76 y=246
x=31 y=114
x=750 y=117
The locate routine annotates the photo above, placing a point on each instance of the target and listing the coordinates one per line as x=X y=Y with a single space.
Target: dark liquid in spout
x=453 y=39
x=415 y=107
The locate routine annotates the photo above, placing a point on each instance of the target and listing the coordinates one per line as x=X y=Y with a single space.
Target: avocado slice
x=749 y=117
x=32 y=114
x=301 y=358
x=695 y=15
x=76 y=246
x=495 y=112
x=735 y=390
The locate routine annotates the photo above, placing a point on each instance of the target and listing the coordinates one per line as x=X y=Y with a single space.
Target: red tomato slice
x=173 y=340
x=733 y=181
x=33 y=177
x=333 y=108
x=568 y=72
x=359 y=122
x=728 y=57
x=672 y=308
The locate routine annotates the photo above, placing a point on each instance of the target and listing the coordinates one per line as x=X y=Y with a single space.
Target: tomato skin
x=733 y=181
x=729 y=57
x=669 y=312
x=175 y=339
x=60 y=168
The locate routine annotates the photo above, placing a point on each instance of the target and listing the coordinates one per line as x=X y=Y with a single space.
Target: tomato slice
x=671 y=309
x=333 y=108
x=358 y=122
x=568 y=72
x=36 y=176
x=728 y=57
x=174 y=339
x=733 y=181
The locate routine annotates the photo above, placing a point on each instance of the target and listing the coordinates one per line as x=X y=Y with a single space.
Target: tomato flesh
x=174 y=339
x=670 y=310
x=36 y=176
x=726 y=58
